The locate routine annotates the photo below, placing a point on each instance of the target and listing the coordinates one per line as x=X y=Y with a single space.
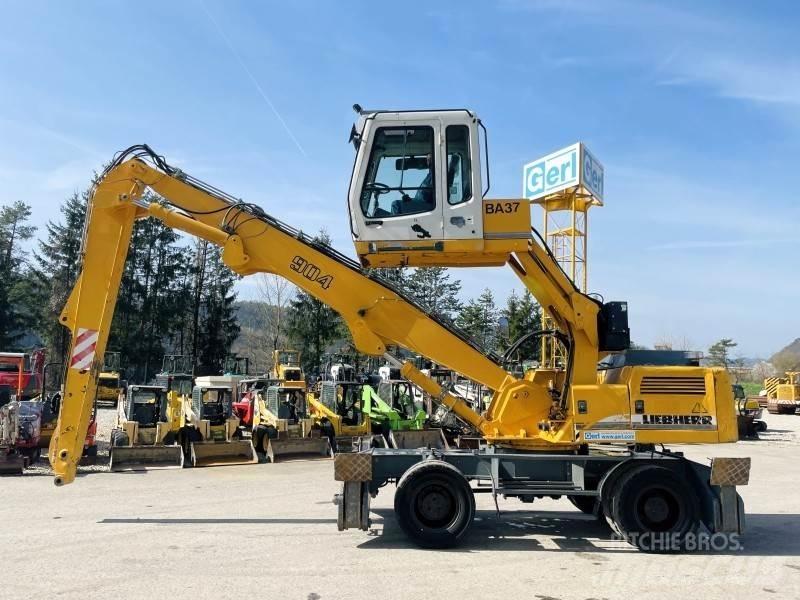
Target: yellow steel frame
x=565 y=221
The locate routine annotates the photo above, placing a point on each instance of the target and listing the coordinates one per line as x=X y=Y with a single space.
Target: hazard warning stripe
x=84 y=349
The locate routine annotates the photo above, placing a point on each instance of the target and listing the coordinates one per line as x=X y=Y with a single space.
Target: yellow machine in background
x=209 y=431
x=109 y=386
x=783 y=393
x=145 y=433
x=336 y=408
x=282 y=426
x=417 y=198
x=286 y=368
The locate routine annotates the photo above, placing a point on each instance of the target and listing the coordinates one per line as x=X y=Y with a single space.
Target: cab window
x=459 y=168
x=400 y=177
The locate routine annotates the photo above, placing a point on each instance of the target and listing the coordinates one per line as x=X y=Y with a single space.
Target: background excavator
x=417 y=198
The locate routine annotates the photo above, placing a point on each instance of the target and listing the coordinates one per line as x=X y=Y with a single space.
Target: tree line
x=177 y=297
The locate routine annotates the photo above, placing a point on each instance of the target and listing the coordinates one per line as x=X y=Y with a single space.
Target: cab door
x=461 y=178
x=397 y=182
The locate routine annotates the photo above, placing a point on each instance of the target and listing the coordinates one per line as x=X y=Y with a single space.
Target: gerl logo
x=573 y=166
x=552 y=173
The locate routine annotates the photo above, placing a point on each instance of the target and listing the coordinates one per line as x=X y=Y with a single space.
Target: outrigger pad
x=418 y=438
x=353 y=506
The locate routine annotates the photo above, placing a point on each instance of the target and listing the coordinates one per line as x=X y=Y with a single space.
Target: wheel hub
x=435 y=505
x=656 y=509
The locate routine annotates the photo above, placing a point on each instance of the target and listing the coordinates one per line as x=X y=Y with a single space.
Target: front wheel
x=434 y=504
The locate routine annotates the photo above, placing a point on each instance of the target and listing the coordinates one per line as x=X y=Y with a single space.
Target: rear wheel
x=654 y=508
x=434 y=504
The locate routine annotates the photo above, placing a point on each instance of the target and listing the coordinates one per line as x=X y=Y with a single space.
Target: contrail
x=253 y=79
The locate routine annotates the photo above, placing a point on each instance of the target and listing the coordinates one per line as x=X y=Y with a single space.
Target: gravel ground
x=271 y=530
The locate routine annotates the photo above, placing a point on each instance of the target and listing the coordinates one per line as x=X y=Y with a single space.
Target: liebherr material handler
x=416 y=198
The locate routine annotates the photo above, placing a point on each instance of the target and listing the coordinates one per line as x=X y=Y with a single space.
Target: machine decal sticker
x=647 y=421
x=311 y=272
x=84 y=348
x=623 y=435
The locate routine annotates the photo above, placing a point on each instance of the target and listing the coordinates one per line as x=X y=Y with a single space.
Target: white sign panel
x=610 y=435
x=570 y=167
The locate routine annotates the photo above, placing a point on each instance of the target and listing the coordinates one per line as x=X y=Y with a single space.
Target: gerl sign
x=573 y=166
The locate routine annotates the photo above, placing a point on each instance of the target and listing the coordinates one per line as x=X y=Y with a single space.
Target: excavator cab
x=416 y=192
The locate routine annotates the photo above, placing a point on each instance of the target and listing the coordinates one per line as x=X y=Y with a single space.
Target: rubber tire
x=186 y=437
x=119 y=438
x=761 y=426
x=628 y=492
x=258 y=438
x=329 y=432
x=447 y=478
x=586 y=504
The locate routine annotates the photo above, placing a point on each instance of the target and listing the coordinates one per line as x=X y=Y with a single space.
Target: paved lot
x=270 y=531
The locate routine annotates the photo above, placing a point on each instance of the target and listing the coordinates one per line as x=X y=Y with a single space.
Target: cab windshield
x=289 y=358
x=400 y=174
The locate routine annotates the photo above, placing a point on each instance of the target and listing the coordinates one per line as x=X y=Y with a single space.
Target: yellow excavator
x=417 y=198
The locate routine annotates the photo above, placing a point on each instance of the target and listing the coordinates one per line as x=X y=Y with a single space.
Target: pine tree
x=479 y=319
x=312 y=325
x=154 y=297
x=719 y=353
x=57 y=269
x=523 y=315
x=433 y=289
x=218 y=327
x=17 y=313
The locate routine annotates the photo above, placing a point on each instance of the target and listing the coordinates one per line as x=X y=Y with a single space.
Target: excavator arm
x=251 y=242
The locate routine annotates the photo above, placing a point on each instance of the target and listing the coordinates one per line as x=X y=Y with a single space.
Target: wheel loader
x=209 y=432
x=145 y=433
x=282 y=426
x=419 y=197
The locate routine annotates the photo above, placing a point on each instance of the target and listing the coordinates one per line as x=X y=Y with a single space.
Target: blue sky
x=693 y=108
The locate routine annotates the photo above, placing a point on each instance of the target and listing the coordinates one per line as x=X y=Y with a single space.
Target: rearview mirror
x=411 y=162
